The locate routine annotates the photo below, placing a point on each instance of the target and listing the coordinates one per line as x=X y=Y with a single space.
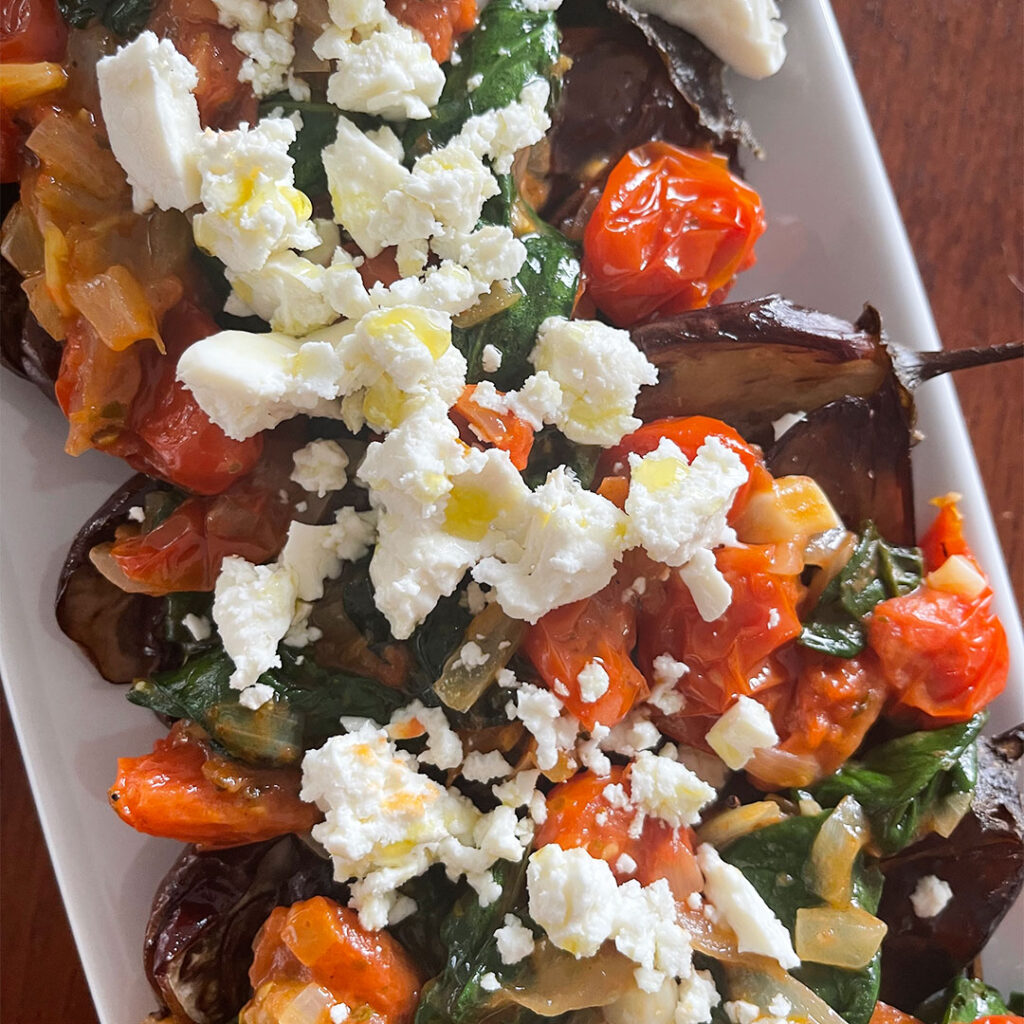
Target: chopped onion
x=761 y=980
x=44 y=309
x=502 y=295
x=22 y=244
x=835 y=848
x=782 y=769
x=116 y=305
x=841 y=938
x=739 y=821
x=308 y=1007
x=948 y=814
x=557 y=982
x=497 y=636
x=20 y=83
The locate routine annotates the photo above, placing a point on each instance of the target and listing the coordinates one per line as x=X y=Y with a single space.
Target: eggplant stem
x=915 y=368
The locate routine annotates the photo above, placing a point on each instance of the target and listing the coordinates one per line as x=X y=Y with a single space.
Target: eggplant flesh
x=121 y=633
x=983 y=862
x=206 y=914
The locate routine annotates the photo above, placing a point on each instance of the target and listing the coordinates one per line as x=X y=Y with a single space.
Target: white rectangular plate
x=835 y=240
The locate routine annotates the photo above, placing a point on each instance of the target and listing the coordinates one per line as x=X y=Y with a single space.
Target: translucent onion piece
x=835 y=848
x=68 y=145
x=271 y=735
x=22 y=244
x=796 y=506
x=107 y=567
x=116 y=305
x=739 y=821
x=761 y=980
x=502 y=295
x=44 y=309
x=781 y=769
x=460 y=685
x=557 y=982
x=948 y=814
x=841 y=938
x=308 y=1007
x=20 y=83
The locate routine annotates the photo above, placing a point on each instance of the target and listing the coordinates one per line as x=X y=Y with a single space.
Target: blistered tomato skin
x=317 y=942
x=31 y=31
x=440 y=22
x=670 y=233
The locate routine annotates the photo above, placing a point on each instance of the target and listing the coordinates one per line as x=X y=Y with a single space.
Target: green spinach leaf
x=125 y=17
x=551 y=448
x=876 y=571
x=455 y=996
x=773 y=859
x=899 y=783
x=969 y=999
x=309 y=703
x=510 y=47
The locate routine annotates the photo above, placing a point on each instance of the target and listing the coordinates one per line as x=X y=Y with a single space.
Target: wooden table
x=943 y=88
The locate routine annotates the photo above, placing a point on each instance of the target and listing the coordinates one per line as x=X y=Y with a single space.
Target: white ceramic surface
x=835 y=240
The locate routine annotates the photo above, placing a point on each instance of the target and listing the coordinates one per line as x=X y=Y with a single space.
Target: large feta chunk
x=566 y=551
x=600 y=372
x=253 y=607
x=248 y=382
x=152 y=121
x=666 y=789
x=675 y=507
x=757 y=928
x=746 y=34
x=251 y=205
x=745 y=727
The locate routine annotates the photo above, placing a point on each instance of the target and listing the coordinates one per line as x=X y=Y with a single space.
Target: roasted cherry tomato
x=31 y=31
x=502 y=430
x=688 y=433
x=321 y=944
x=580 y=814
x=599 y=629
x=730 y=656
x=944 y=654
x=440 y=22
x=184 y=791
x=886 y=1014
x=672 y=229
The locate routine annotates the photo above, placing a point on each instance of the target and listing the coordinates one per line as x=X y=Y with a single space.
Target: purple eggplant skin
x=120 y=633
x=205 y=916
x=748 y=363
x=983 y=862
x=25 y=348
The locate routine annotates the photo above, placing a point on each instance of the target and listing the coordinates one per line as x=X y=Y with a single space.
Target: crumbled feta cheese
x=786 y=421
x=198 y=626
x=476 y=598
x=339 y=1013
x=600 y=372
x=489 y=982
x=636 y=732
x=591 y=755
x=500 y=133
x=745 y=727
x=136 y=514
x=385 y=822
x=515 y=941
x=248 y=382
x=625 y=865
x=667 y=673
x=930 y=896
x=546 y=720
x=444 y=748
x=253 y=607
x=251 y=206
x=567 y=550
x=666 y=789
x=709 y=589
x=478 y=767
x=471 y=655
x=490 y=359
x=538 y=807
x=320 y=466
x=152 y=121
x=746 y=34
x=739 y=1011
x=593 y=681
x=265 y=37
x=757 y=928
x=675 y=508
x=519 y=790
x=352 y=534
x=310 y=558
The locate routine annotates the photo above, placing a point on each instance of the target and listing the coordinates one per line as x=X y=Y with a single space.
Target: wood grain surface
x=943 y=87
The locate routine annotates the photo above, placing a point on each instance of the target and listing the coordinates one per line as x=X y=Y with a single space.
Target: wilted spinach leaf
x=551 y=448
x=773 y=859
x=510 y=47
x=455 y=996
x=875 y=572
x=969 y=999
x=125 y=17
x=436 y=637
x=310 y=701
x=900 y=782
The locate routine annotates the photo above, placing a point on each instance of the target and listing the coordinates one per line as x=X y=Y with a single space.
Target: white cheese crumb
x=489 y=982
x=744 y=728
x=739 y=1011
x=757 y=928
x=786 y=421
x=320 y=467
x=136 y=514
x=472 y=655
x=479 y=767
x=490 y=359
x=625 y=865
x=930 y=896
x=339 y=1013
x=444 y=748
x=593 y=681
x=668 y=790
x=515 y=941
x=544 y=716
